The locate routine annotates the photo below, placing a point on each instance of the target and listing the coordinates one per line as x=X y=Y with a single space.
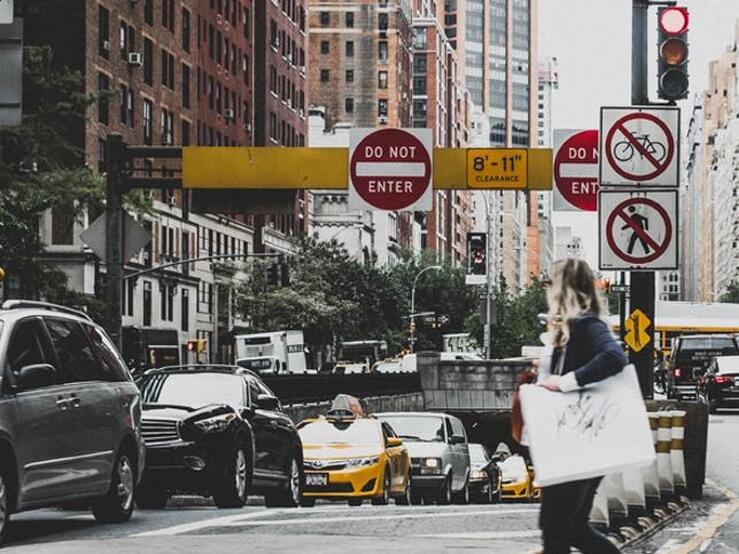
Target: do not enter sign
x=391 y=169
x=576 y=170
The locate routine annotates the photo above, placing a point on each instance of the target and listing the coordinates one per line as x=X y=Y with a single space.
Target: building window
x=273 y=126
x=350 y=19
x=245 y=68
x=149 y=11
x=148 y=109
x=245 y=21
x=186 y=86
x=211 y=42
x=324 y=47
x=166 y=126
x=324 y=75
x=103 y=32
x=147 y=304
x=123 y=40
x=148 y=62
x=185 y=309
x=185 y=133
x=382 y=79
x=166 y=311
x=102 y=155
x=349 y=48
x=103 y=103
x=349 y=105
x=274 y=40
x=349 y=75
x=273 y=79
x=382 y=52
x=325 y=19
x=168 y=15
x=167 y=69
x=62 y=226
x=382 y=107
x=185 y=30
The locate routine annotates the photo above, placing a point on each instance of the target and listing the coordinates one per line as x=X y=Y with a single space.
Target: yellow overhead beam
x=216 y=167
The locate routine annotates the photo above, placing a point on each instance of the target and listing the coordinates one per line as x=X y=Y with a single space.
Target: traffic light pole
x=114 y=235
x=642 y=287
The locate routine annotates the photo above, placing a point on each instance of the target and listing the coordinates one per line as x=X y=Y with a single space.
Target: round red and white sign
x=390 y=169
x=576 y=170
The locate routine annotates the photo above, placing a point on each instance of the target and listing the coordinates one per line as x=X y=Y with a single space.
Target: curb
x=671 y=511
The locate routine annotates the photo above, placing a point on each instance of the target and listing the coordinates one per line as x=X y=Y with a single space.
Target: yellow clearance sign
x=499 y=168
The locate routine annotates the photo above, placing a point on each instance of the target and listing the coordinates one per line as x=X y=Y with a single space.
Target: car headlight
x=431 y=465
x=361 y=462
x=215 y=424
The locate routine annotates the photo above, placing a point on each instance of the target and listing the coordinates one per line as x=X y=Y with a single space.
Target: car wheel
x=117 y=505
x=463 y=496
x=408 y=494
x=4 y=502
x=384 y=498
x=445 y=495
x=232 y=491
x=289 y=496
x=307 y=502
x=354 y=502
x=151 y=497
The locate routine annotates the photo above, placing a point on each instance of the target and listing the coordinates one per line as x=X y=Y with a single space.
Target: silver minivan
x=440 y=458
x=69 y=415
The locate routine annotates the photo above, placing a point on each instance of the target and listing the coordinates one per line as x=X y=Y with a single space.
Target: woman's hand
x=551 y=383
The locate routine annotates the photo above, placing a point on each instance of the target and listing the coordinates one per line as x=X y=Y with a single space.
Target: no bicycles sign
x=640 y=146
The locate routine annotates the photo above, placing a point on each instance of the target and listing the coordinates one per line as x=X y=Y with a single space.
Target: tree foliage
x=732 y=294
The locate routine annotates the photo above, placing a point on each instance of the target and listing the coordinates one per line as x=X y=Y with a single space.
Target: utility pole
x=488 y=277
x=642 y=282
x=114 y=234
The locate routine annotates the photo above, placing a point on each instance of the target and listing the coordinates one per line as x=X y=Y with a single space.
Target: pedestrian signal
x=673 y=83
x=477 y=263
x=196 y=345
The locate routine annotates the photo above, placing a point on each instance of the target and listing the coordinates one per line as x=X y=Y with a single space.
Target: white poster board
x=600 y=430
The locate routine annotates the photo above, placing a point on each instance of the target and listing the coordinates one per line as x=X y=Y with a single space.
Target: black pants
x=564 y=519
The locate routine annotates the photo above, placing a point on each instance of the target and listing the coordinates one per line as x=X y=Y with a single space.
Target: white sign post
x=640 y=146
x=638 y=230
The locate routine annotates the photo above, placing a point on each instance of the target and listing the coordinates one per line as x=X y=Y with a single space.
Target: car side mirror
x=36 y=375
x=456 y=439
x=267 y=402
x=247 y=412
x=392 y=442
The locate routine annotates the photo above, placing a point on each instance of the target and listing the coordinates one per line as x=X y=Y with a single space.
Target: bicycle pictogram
x=625 y=150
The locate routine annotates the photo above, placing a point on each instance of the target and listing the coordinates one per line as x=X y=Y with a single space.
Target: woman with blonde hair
x=585 y=351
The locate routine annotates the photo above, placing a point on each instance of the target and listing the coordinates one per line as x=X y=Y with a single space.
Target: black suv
x=69 y=415
x=217 y=431
x=689 y=360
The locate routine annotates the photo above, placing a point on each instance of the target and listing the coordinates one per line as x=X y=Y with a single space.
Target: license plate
x=316 y=479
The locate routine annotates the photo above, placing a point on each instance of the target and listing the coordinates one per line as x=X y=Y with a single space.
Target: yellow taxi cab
x=517 y=479
x=348 y=456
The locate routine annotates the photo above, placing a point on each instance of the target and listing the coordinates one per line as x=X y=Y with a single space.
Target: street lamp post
x=413 y=303
x=489 y=275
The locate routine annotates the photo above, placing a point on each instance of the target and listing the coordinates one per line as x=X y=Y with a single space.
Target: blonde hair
x=571 y=294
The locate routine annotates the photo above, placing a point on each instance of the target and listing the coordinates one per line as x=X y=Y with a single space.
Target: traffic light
x=196 y=345
x=673 y=83
x=477 y=263
x=284 y=274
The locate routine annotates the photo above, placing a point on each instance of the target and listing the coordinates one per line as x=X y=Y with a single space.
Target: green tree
x=732 y=294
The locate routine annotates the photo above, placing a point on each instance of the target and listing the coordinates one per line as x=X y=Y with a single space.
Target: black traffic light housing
x=672 y=49
x=477 y=263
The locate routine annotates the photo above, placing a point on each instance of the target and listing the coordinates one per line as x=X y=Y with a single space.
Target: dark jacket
x=592 y=351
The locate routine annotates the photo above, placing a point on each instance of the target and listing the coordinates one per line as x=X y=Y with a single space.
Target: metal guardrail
x=313 y=388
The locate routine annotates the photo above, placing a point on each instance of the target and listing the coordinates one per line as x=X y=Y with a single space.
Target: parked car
x=518 y=479
x=485 y=475
x=352 y=457
x=719 y=387
x=217 y=431
x=440 y=459
x=69 y=415
x=689 y=360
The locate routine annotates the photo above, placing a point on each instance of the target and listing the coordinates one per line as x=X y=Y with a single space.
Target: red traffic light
x=674 y=21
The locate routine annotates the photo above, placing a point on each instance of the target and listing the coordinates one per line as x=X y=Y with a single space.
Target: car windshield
x=704 y=348
x=193 y=390
x=417 y=428
x=477 y=454
x=728 y=364
x=349 y=432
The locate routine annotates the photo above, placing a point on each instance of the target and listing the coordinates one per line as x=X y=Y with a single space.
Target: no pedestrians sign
x=391 y=169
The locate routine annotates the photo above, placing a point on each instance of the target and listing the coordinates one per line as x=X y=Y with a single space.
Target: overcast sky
x=592 y=41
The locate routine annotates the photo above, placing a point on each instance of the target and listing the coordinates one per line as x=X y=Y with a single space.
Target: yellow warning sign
x=636 y=327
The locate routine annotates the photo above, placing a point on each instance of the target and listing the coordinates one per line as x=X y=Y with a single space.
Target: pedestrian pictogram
x=639 y=146
x=638 y=230
x=575 y=170
x=391 y=169
x=636 y=325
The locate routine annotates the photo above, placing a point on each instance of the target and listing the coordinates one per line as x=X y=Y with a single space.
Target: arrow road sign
x=576 y=170
x=640 y=146
x=638 y=230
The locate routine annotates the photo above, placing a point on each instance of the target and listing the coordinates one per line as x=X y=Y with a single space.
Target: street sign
x=135 y=237
x=576 y=170
x=502 y=168
x=640 y=146
x=11 y=71
x=636 y=326
x=391 y=169
x=620 y=289
x=638 y=230
x=6 y=12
